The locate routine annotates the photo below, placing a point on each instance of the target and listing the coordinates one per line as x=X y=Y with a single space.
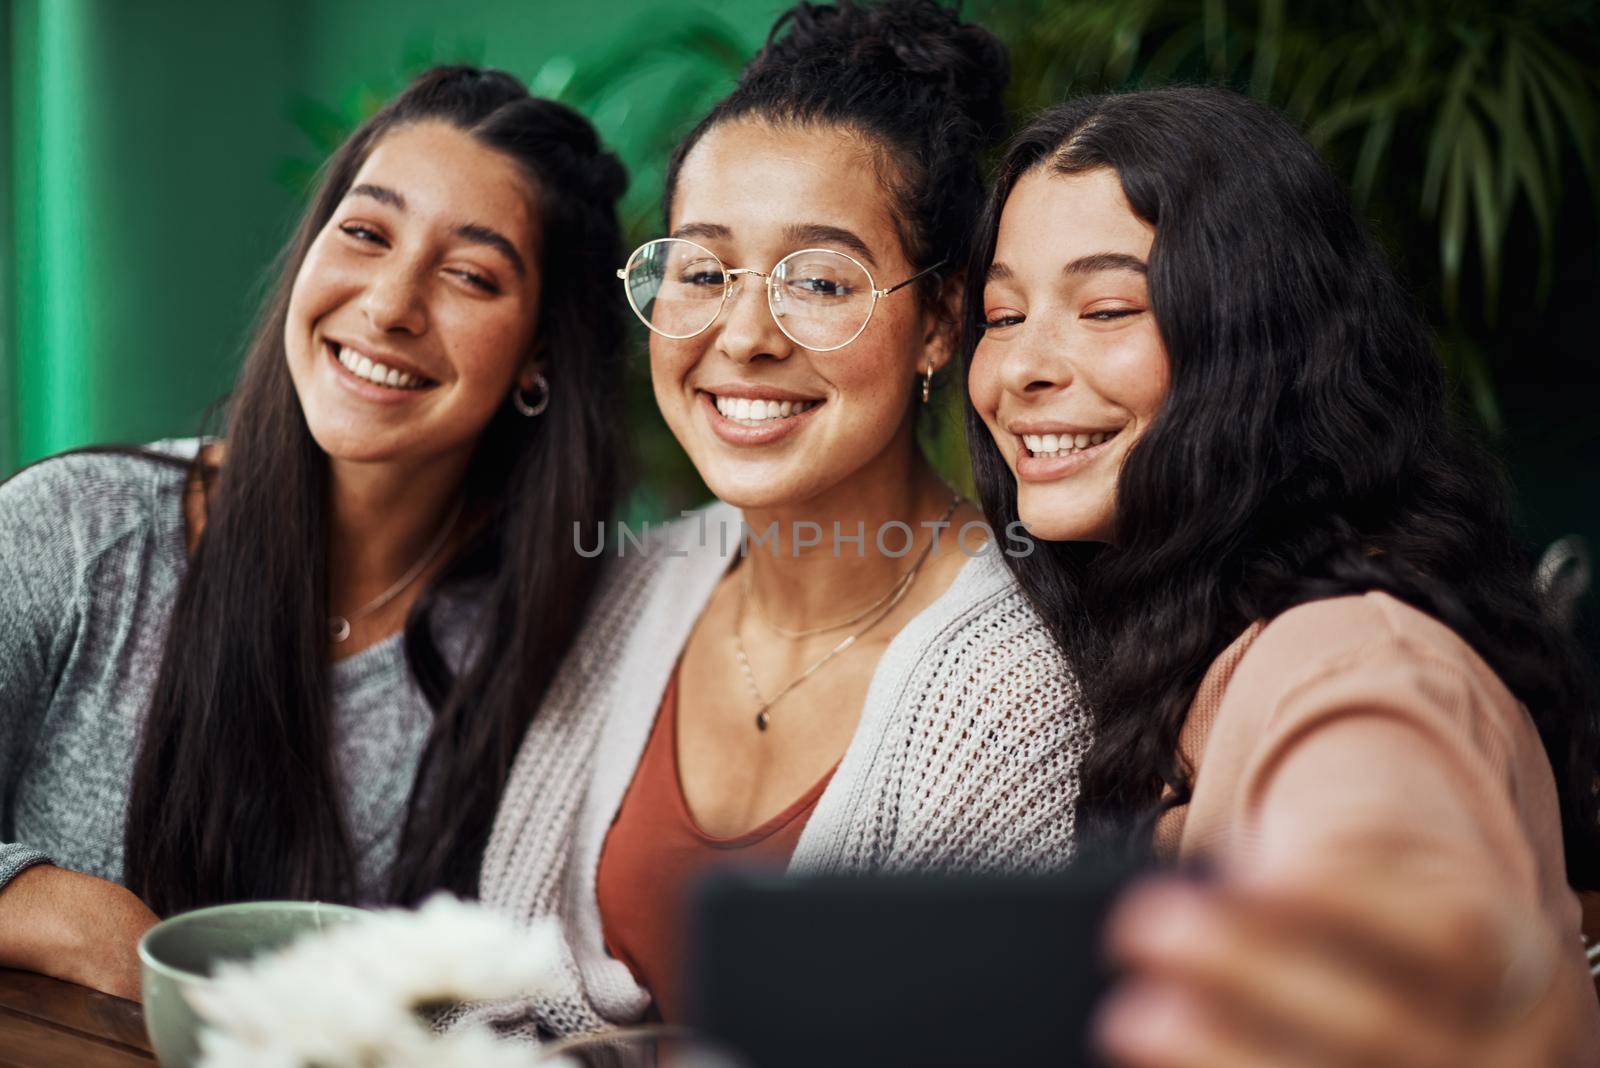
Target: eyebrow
x=381 y=193
x=1105 y=261
x=809 y=234
x=1091 y=264
x=800 y=235
x=473 y=232
x=714 y=231
x=482 y=235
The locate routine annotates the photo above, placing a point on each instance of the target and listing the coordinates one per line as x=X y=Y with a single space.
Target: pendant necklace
x=339 y=626
x=887 y=603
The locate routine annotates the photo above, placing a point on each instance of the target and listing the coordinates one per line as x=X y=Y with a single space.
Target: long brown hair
x=235 y=794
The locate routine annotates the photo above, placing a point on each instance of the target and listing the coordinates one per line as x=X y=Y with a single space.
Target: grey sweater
x=92 y=549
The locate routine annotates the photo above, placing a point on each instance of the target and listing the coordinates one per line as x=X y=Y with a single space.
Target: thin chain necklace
x=761 y=613
x=339 y=626
x=763 y=705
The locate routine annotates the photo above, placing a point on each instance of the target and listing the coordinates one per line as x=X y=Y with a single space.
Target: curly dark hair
x=919 y=83
x=1306 y=450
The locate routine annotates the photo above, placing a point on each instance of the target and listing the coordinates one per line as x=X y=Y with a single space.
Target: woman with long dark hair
x=297 y=662
x=859 y=685
x=1311 y=646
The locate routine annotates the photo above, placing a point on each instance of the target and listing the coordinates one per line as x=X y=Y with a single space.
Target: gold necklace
x=339 y=626
x=895 y=596
x=761 y=613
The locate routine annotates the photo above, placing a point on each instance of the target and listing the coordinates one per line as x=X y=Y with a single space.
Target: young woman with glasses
x=1311 y=644
x=297 y=662
x=849 y=694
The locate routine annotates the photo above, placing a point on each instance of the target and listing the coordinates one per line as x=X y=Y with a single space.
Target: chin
x=751 y=490
x=351 y=444
x=1063 y=520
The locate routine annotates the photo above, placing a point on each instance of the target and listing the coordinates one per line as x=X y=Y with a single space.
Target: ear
x=942 y=325
x=531 y=368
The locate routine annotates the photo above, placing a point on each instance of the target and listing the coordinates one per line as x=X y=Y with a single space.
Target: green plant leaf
x=324 y=127
x=1469 y=367
x=1268 y=49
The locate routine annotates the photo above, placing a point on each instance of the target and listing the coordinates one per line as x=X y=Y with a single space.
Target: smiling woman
x=867 y=690
x=296 y=662
x=385 y=367
x=1313 y=649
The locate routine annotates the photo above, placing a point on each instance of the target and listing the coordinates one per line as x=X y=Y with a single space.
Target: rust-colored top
x=655 y=852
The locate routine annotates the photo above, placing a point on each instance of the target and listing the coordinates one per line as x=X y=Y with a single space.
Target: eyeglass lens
x=820 y=299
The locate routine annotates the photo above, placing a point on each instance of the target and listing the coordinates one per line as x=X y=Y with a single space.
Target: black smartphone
x=899 y=970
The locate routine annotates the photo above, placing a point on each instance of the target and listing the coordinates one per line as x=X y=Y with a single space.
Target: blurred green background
x=154 y=154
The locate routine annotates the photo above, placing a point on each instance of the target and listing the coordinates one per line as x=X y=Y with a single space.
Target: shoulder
x=651 y=571
x=1345 y=634
x=1368 y=655
x=981 y=645
x=713 y=530
x=88 y=500
x=640 y=556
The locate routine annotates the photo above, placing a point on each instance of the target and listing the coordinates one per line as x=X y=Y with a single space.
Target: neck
x=804 y=577
x=383 y=519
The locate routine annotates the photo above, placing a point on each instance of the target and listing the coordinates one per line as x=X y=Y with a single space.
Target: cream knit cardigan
x=966 y=756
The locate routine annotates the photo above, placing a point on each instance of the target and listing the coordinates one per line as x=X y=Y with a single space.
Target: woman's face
x=1070 y=369
x=415 y=309
x=752 y=194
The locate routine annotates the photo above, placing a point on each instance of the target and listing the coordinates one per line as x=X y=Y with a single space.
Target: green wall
x=148 y=150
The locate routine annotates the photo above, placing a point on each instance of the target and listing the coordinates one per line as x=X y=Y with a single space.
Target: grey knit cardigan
x=966 y=756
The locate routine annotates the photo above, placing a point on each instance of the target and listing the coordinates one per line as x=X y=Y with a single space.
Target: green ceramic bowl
x=179 y=953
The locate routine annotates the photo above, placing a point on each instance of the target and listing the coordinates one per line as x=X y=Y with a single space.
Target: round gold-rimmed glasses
x=820 y=299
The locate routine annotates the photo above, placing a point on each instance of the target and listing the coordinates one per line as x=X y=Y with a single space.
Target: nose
x=746 y=329
x=394 y=298
x=1034 y=365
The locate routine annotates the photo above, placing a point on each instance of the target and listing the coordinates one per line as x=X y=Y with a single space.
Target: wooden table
x=45 y=1023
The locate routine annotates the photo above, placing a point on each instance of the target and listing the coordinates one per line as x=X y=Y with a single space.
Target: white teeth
x=379 y=374
x=1049 y=446
x=759 y=412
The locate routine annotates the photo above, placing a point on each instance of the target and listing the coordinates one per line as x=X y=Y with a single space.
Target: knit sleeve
x=40 y=606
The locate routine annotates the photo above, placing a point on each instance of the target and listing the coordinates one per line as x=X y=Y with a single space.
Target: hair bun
x=608 y=176
x=919 y=42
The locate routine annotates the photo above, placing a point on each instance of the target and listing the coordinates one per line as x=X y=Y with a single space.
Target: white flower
x=350 y=995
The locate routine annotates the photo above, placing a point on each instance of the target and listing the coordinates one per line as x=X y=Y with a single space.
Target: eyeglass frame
x=730 y=276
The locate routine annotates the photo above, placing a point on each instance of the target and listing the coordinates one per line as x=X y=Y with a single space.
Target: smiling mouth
x=377 y=373
x=755 y=412
x=1051 y=446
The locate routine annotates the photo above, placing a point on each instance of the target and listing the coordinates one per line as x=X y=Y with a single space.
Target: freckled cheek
x=1134 y=376
x=983 y=386
x=320 y=289
x=486 y=351
x=671 y=360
